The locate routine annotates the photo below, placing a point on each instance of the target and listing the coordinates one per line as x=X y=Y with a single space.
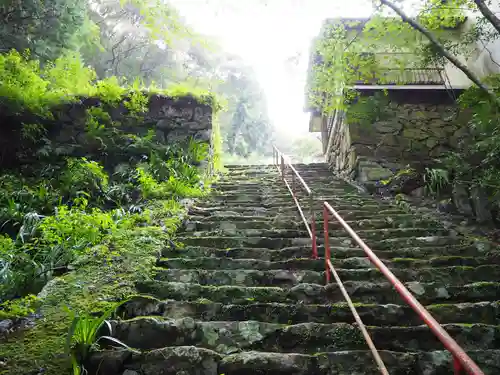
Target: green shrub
x=83 y=175
x=18 y=308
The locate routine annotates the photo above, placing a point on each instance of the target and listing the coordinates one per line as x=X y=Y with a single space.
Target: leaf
x=115 y=340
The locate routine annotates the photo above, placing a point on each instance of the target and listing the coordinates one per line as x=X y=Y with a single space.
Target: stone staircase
x=244 y=296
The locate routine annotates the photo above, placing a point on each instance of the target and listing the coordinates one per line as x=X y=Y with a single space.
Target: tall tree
x=46 y=28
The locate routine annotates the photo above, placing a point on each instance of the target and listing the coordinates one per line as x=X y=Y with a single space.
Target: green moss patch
x=90 y=288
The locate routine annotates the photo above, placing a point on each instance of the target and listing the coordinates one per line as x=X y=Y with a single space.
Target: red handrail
x=279 y=161
x=461 y=361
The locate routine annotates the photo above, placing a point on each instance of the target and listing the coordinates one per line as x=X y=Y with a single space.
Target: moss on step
x=90 y=288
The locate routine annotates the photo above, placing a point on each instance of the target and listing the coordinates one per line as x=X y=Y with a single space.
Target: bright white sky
x=266 y=36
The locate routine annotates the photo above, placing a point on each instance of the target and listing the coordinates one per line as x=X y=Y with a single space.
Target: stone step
x=349 y=362
x=345 y=263
x=225 y=242
x=276 y=182
x=277 y=192
x=334 y=200
x=371 y=222
x=290 y=210
x=301 y=166
x=289 y=174
x=227 y=337
x=444 y=274
x=338 y=191
x=365 y=234
x=427 y=253
x=360 y=291
x=199 y=223
x=191 y=360
x=204 y=271
x=289 y=205
x=270 y=184
x=241 y=277
x=371 y=314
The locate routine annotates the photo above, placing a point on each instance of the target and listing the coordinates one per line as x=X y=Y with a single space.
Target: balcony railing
x=402 y=77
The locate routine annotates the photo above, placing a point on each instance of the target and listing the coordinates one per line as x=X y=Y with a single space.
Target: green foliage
x=216 y=164
x=45 y=27
x=367 y=110
x=436 y=180
x=384 y=50
x=33 y=132
x=67 y=216
x=82 y=175
x=475 y=163
x=92 y=214
x=19 y=308
x=137 y=103
x=85 y=333
x=26 y=85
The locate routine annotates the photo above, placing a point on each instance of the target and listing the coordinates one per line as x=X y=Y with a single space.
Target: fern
x=436 y=180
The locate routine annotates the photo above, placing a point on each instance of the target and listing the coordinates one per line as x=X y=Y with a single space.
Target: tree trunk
x=488 y=14
x=417 y=26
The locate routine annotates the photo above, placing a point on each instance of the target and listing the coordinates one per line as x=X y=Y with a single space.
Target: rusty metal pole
x=282 y=166
x=313 y=227
x=457 y=367
x=327 y=243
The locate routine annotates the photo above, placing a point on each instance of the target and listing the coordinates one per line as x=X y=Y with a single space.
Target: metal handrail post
x=282 y=166
x=327 y=243
x=313 y=227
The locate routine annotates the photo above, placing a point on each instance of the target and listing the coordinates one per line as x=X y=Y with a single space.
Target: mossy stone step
x=228 y=337
x=239 y=222
x=228 y=242
x=445 y=274
x=391 y=221
x=291 y=211
x=265 y=187
x=349 y=363
x=173 y=360
x=191 y=360
x=310 y=338
x=365 y=234
x=371 y=314
x=200 y=223
x=253 y=273
x=288 y=204
x=360 y=291
x=242 y=277
x=425 y=253
x=225 y=242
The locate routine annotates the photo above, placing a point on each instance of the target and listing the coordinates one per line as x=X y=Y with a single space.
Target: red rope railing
x=462 y=363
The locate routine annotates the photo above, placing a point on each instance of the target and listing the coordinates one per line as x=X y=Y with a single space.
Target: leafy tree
x=46 y=28
x=427 y=36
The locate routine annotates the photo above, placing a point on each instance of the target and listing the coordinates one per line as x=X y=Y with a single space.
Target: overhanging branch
x=488 y=14
x=417 y=26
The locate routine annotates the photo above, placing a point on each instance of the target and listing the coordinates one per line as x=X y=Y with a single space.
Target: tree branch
x=417 y=26
x=490 y=53
x=488 y=14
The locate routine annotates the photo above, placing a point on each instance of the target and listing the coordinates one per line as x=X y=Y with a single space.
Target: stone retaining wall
x=172 y=119
x=410 y=134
